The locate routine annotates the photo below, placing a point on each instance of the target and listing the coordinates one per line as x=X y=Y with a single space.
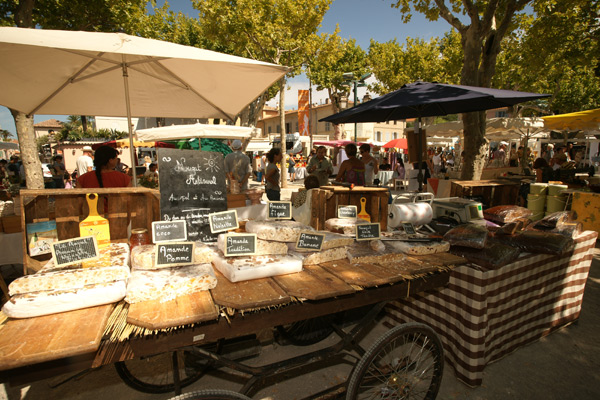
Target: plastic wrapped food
x=494 y=255
x=540 y=242
x=344 y=226
x=467 y=235
x=552 y=221
x=318 y=257
x=362 y=252
x=263 y=247
x=570 y=230
x=505 y=214
x=377 y=245
x=238 y=269
x=420 y=248
x=279 y=231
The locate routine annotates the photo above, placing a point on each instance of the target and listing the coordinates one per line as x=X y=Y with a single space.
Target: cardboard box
x=236 y=200
x=12 y=224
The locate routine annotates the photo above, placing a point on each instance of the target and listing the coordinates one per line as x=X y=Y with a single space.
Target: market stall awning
x=396 y=144
x=122 y=143
x=335 y=143
x=197 y=131
x=581 y=120
x=9 y=146
x=259 y=145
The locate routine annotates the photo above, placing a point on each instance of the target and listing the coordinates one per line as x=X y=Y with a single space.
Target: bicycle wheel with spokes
x=211 y=394
x=406 y=362
x=154 y=374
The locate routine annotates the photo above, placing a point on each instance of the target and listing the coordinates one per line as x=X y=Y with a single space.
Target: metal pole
x=419 y=152
x=354 y=105
x=310 y=132
x=129 y=124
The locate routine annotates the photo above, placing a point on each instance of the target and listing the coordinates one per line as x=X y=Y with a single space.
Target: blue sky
x=357 y=19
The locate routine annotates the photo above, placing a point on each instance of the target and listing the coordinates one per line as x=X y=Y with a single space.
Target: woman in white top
x=371 y=165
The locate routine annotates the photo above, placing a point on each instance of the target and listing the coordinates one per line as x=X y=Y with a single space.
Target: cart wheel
x=211 y=395
x=307 y=332
x=404 y=363
x=154 y=374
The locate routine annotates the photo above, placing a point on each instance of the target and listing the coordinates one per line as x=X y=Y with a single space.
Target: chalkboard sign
x=279 y=210
x=223 y=221
x=169 y=231
x=409 y=228
x=73 y=251
x=310 y=241
x=174 y=254
x=240 y=244
x=192 y=185
x=367 y=231
x=347 y=212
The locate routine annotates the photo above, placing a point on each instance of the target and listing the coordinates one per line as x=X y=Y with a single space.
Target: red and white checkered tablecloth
x=483 y=315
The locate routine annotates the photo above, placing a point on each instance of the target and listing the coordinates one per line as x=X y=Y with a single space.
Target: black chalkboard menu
x=279 y=210
x=174 y=254
x=192 y=185
x=223 y=221
x=347 y=212
x=310 y=241
x=73 y=251
x=240 y=244
x=368 y=231
x=409 y=228
x=169 y=231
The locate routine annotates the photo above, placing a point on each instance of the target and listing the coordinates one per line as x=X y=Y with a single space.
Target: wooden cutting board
x=50 y=337
x=313 y=283
x=183 y=310
x=255 y=293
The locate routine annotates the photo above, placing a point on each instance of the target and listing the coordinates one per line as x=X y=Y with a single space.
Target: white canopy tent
x=496 y=128
x=199 y=131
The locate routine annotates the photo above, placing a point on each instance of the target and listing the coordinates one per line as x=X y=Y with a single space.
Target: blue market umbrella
x=426 y=99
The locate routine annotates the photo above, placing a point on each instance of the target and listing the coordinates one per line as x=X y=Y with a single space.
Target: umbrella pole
x=129 y=124
x=419 y=153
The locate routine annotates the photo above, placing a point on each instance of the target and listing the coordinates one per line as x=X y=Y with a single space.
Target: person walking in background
x=237 y=166
x=399 y=170
x=58 y=171
x=543 y=171
x=272 y=174
x=292 y=169
x=85 y=163
x=320 y=166
x=371 y=166
x=351 y=170
x=105 y=176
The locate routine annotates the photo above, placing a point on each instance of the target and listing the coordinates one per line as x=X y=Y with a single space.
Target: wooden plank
x=117 y=216
x=364 y=275
x=374 y=207
x=247 y=295
x=33 y=340
x=68 y=211
x=313 y=283
x=331 y=206
x=322 y=211
x=384 y=210
x=183 y=310
x=441 y=259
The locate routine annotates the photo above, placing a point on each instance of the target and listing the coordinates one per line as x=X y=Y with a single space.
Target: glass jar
x=139 y=237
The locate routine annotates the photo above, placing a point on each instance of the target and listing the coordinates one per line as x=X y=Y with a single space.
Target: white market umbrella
x=504 y=128
x=114 y=74
x=196 y=131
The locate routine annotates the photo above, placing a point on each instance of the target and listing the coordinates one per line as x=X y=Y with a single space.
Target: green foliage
x=41 y=141
x=438 y=60
x=331 y=57
x=4 y=135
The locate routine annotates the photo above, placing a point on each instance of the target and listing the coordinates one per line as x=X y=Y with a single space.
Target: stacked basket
x=544 y=199
x=555 y=201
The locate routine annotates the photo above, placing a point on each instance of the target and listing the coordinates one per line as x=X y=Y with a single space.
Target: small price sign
x=169 y=231
x=73 y=251
x=175 y=254
x=409 y=228
x=240 y=244
x=279 y=210
x=347 y=212
x=368 y=231
x=310 y=241
x=223 y=221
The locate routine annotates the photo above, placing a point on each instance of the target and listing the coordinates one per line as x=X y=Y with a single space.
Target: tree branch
x=448 y=16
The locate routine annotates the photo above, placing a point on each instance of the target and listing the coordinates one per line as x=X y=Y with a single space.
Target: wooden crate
x=236 y=200
x=325 y=201
x=497 y=192
x=121 y=206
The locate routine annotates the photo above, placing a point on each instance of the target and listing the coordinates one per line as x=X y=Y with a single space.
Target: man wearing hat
x=85 y=163
x=237 y=165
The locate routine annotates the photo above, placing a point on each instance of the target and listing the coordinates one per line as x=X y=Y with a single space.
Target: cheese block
x=46 y=302
x=362 y=252
x=115 y=254
x=168 y=283
x=420 y=248
x=330 y=241
x=263 y=247
x=67 y=279
x=345 y=226
x=238 y=269
x=318 y=257
x=279 y=231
